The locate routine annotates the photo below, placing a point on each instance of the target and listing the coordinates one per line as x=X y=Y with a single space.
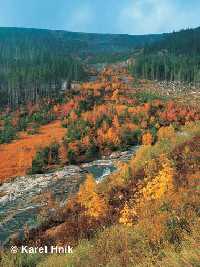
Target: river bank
x=21 y=199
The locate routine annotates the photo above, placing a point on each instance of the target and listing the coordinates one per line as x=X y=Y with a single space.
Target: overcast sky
x=102 y=16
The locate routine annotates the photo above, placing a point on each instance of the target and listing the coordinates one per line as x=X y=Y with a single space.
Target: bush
x=22 y=123
x=77 y=130
x=33 y=129
x=71 y=155
x=44 y=157
x=114 y=247
x=92 y=152
x=54 y=154
x=7 y=134
x=43 y=117
x=146 y=97
x=39 y=162
x=131 y=138
x=19 y=260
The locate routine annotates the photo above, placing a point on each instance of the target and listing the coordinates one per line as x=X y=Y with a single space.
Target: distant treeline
x=33 y=66
x=27 y=80
x=34 y=62
x=175 y=58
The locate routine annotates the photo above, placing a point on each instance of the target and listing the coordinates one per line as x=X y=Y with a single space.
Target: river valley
x=21 y=199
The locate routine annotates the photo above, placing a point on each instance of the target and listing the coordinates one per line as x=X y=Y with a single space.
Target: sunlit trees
x=127 y=215
x=166 y=133
x=162 y=183
x=115 y=122
x=112 y=137
x=93 y=204
x=147 y=139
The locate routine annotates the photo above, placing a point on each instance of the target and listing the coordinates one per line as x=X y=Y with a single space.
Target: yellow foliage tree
x=124 y=172
x=112 y=136
x=94 y=205
x=127 y=215
x=162 y=183
x=166 y=133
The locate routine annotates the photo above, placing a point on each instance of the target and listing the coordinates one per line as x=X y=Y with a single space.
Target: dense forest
x=35 y=63
x=31 y=66
x=25 y=80
x=174 y=58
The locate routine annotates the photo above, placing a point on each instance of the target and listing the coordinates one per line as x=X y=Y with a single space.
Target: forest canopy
x=35 y=63
x=174 y=58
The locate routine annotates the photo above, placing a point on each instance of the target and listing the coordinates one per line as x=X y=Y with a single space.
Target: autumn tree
x=147 y=139
x=162 y=183
x=166 y=133
x=87 y=197
x=127 y=215
x=112 y=137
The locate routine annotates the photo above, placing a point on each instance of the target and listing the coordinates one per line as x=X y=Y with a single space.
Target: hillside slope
x=182 y=42
x=35 y=63
x=141 y=213
x=174 y=58
x=63 y=42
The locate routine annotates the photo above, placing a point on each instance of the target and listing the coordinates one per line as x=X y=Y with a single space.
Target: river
x=21 y=199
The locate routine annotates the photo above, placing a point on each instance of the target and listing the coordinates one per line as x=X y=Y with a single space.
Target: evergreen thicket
x=33 y=65
x=174 y=58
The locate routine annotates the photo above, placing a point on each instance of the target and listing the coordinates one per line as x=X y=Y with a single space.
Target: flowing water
x=21 y=199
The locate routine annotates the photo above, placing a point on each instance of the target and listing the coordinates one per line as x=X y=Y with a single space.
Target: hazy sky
x=110 y=16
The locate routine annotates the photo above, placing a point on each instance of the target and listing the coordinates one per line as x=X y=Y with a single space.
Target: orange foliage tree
x=147 y=139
